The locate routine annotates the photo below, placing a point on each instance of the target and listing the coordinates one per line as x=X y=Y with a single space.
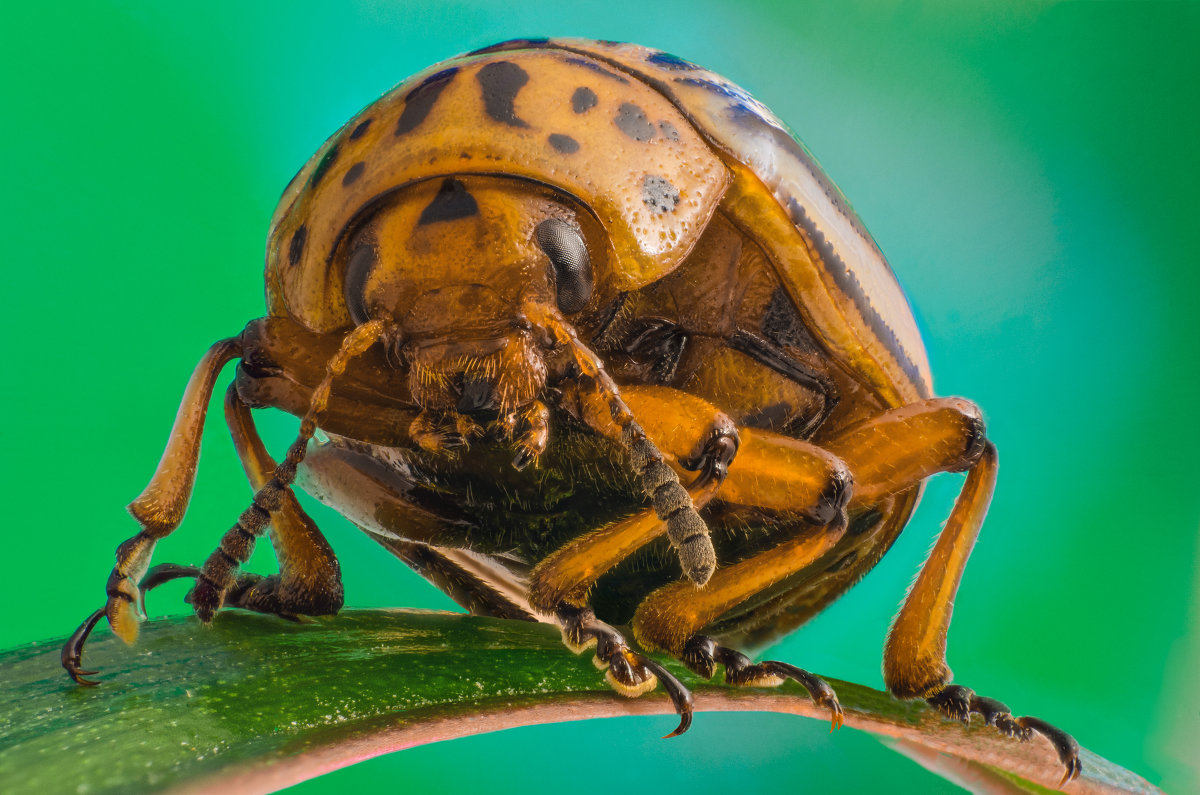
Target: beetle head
x=453 y=265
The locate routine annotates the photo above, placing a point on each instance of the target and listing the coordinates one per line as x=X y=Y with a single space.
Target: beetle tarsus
x=958 y=703
x=629 y=672
x=702 y=654
x=72 y=652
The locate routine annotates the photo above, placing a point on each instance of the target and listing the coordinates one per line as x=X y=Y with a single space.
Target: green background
x=1030 y=170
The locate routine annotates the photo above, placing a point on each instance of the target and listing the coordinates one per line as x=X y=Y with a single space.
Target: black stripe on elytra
x=326 y=161
x=633 y=122
x=296 y=247
x=583 y=100
x=669 y=61
x=360 y=129
x=451 y=202
x=353 y=173
x=512 y=44
x=564 y=143
x=501 y=81
x=747 y=118
x=419 y=101
x=598 y=69
x=848 y=283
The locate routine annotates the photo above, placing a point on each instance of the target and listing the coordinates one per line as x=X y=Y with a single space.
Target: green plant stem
x=253 y=704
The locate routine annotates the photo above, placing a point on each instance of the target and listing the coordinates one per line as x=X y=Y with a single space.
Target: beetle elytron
x=528 y=295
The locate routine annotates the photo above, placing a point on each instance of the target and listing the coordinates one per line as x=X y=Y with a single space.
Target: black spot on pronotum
x=672 y=62
x=360 y=130
x=326 y=161
x=296 y=248
x=355 y=171
x=501 y=81
x=362 y=261
x=633 y=122
x=668 y=130
x=564 y=143
x=583 y=100
x=419 y=101
x=451 y=202
x=659 y=194
x=572 y=267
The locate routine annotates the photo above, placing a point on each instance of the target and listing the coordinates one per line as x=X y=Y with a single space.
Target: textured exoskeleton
x=592 y=340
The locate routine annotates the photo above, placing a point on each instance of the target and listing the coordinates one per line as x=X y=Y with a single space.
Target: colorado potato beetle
x=590 y=339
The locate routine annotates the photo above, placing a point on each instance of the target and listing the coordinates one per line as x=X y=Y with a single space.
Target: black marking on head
x=500 y=81
x=512 y=44
x=326 y=161
x=360 y=129
x=419 y=101
x=564 y=143
x=659 y=194
x=672 y=62
x=668 y=130
x=362 y=262
x=583 y=100
x=451 y=202
x=355 y=171
x=848 y=283
x=572 y=266
x=597 y=68
x=633 y=122
x=296 y=248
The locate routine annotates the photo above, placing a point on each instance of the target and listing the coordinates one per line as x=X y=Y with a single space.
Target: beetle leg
x=686 y=531
x=696 y=437
x=630 y=673
x=72 y=651
x=220 y=571
x=160 y=507
x=448 y=433
x=702 y=654
x=309 y=580
x=891 y=453
x=533 y=424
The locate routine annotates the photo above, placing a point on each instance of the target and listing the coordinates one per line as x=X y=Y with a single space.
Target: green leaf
x=253 y=704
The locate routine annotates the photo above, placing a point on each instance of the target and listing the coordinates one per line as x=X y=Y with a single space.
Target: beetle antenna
x=221 y=568
x=686 y=531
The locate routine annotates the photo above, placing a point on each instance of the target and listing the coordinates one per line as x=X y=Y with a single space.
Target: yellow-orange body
x=527 y=294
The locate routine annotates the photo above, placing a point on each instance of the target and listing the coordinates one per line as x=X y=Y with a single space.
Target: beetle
x=589 y=338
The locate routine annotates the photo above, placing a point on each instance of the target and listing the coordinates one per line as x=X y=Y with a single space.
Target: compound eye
x=362 y=262
x=572 y=268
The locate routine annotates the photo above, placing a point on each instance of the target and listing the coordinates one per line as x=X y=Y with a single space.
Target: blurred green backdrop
x=1030 y=170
